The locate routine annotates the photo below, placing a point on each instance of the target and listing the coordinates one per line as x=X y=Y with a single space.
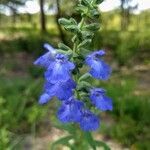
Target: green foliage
x=131 y=122
x=19 y=110
x=125 y=45
x=77 y=139
x=24 y=39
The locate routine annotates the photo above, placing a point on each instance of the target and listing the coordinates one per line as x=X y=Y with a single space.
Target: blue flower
x=70 y=110
x=44 y=98
x=60 y=69
x=62 y=90
x=100 y=100
x=46 y=59
x=89 y=121
x=99 y=69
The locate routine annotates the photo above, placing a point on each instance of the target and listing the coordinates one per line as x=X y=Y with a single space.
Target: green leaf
x=63 y=141
x=87 y=34
x=82 y=9
x=64 y=52
x=93 y=26
x=63 y=46
x=94 y=13
x=73 y=21
x=102 y=144
x=85 y=52
x=64 y=21
x=72 y=28
x=88 y=137
x=67 y=127
x=85 y=42
x=84 y=76
x=83 y=85
x=87 y=84
x=86 y=3
x=99 y=1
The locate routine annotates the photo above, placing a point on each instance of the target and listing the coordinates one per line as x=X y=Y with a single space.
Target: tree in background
x=63 y=8
x=13 y=5
x=126 y=10
x=42 y=16
x=58 y=15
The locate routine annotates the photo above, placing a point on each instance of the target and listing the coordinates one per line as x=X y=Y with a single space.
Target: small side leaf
x=64 y=21
x=62 y=141
x=102 y=144
x=84 y=76
x=63 y=46
x=90 y=140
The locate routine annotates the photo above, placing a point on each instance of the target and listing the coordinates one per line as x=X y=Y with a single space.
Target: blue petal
x=99 y=99
x=44 y=98
x=60 y=69
x=70 y=111
x=50 y=48
x=44 y=60
x=99 y=53
x=63 y=59
x=89 y=121
x=59 y=73
x=62 y=90
x=65 y=90
x=70 y=65
x=93 y=56
x=100 y=70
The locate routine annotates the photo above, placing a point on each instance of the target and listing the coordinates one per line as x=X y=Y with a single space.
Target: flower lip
x=86 y=113
x=61 y=58
x=98 y=91
x=98 y=54
x=49 y=48
x=71 y=100
x=89 y=121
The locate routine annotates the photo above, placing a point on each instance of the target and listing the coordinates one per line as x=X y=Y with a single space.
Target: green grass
x=130 y=125
x=19 y=107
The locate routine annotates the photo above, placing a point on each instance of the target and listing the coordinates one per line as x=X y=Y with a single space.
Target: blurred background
x=125 y=34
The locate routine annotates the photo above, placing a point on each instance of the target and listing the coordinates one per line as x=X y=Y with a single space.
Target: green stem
x=75 y=46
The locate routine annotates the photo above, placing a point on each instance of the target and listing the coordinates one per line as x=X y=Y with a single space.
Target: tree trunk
x=123 y=18
x=62 y=36
x=14 y=14
x=42 y=16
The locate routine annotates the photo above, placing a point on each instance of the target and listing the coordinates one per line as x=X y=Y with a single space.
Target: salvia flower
x=62 y=90
x=100 y=100
x=59 y=70
x=98 y=68
x=89 y=121
x=70 y=110
x=46 y=59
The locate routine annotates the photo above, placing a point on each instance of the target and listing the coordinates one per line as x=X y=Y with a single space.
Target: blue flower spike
x=98 y=68
x=100 y=100
x=65 y=76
